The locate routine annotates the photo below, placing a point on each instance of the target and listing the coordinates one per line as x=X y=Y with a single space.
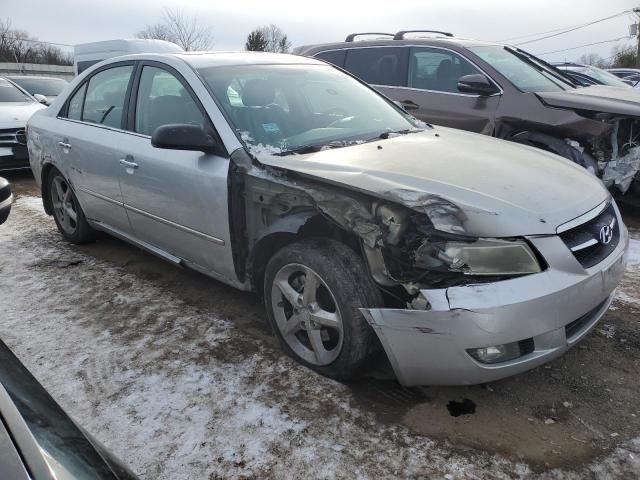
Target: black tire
x=348 y=282
x=76 y=230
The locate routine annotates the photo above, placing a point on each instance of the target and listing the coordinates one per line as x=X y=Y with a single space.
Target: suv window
x=524 y=71
x=333 y=56
x=379 y=65
x=162 y=99
x=104 y=101
x=438 y=70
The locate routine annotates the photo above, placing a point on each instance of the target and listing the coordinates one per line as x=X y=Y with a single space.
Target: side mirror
x=41 y=99
x=476 y=83
x=6 y=199
x=184 y=136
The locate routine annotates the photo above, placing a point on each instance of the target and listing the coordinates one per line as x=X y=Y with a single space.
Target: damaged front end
x=459 y=307
x=618 y=153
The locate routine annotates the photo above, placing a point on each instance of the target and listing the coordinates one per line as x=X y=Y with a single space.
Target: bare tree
x=182 y=29
x=20 y=47
x=275 y=40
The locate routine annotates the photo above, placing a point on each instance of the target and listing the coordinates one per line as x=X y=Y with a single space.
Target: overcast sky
x=305 y=22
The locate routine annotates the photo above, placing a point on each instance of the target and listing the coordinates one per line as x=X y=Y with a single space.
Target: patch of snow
x=178 y=393
x=32 y=203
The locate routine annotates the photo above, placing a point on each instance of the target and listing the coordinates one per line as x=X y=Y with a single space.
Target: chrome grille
x=13 y=136
x=594 y=240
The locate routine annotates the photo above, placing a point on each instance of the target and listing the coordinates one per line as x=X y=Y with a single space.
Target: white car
x=16 y=107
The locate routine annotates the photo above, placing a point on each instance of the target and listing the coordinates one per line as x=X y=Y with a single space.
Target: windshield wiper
x=312 y=148
x=387 y=133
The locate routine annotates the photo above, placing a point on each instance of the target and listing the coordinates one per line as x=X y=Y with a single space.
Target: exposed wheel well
x=317 y=226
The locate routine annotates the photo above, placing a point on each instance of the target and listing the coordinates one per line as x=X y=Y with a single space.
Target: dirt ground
x=179 y=375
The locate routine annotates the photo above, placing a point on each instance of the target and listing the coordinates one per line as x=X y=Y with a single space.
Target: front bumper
x=14 y=157
x=430 y=347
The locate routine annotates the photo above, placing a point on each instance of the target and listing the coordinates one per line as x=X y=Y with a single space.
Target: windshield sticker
x=271 y=127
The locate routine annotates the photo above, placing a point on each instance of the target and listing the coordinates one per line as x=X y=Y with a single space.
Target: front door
x=432 y=93
x=176 y=200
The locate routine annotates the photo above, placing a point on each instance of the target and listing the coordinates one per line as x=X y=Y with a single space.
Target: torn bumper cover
x=542 y=314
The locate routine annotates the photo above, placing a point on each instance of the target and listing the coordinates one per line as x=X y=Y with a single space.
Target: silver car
x=465 y=258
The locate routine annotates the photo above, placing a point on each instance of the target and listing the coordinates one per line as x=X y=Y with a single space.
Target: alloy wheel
x=64 y=206
x=307 y=314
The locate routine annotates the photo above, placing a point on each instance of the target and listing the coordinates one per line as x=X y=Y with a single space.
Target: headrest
x=258 y=93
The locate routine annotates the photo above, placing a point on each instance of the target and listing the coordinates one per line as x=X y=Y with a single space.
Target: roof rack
x=400 y=35
x=352 y=36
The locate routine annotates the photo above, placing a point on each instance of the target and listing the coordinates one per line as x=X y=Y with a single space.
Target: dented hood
x=597 y=98
x=504 y=189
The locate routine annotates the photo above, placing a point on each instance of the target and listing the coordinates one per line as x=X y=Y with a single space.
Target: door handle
x=64 y=145
x=128 y=164
x=409 y=105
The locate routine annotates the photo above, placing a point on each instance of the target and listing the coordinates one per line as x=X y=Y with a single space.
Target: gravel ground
x=181 y=378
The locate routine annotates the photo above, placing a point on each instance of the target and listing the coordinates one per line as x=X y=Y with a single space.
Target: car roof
x=381 y=42
x=207 y=59
x=224 y=59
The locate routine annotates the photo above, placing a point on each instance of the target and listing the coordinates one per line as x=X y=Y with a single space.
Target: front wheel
x=313 y=292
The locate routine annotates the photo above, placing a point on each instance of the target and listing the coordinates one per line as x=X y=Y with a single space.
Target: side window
x=379 y=65
x=438 y=70
x=104 y=102
x=162 y=99
x=74 y=111
x=334 y=56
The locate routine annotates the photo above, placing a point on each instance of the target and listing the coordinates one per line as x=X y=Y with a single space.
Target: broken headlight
x=488 y=256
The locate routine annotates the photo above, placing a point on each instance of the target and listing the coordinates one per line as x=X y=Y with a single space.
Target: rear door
x=176 y=200
x=89 y=135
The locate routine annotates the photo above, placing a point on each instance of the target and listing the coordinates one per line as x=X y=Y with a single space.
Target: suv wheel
x=67 y=213
x=313 y=290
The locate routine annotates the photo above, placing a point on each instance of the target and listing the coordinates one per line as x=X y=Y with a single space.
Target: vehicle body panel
x=429 y=347
x=523 y=190
x=467 y=112
x=6 y=200
x=51 y=445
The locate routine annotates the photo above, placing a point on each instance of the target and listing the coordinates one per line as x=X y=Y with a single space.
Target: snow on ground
x=178 y=393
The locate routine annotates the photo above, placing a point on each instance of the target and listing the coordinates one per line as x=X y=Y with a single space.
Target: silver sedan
x=464 y=258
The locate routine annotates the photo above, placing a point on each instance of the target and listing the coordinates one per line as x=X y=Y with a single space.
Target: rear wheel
x=313 y=291
x=67 y=212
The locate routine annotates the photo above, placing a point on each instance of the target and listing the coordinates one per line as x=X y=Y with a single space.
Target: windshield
x=281 y=109
x=49 y=87
x=9 y=93
x=600 y=75
x=525 y=73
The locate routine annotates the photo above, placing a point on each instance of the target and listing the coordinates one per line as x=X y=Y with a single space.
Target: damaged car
x=464 y=258
x=501 y=91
